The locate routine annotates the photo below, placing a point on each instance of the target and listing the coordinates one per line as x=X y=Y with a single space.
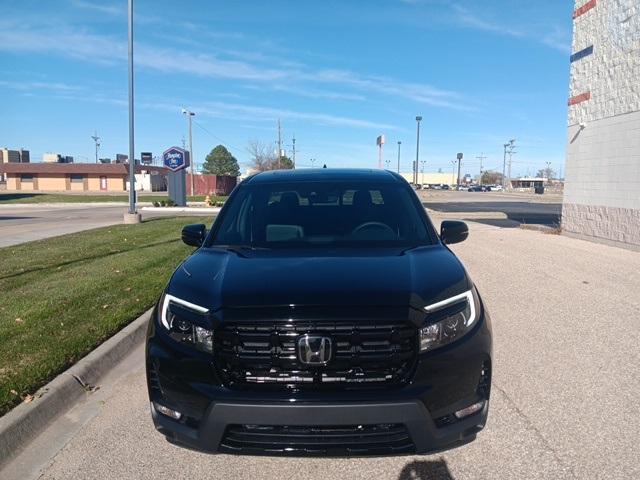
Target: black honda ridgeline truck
x=321 y=315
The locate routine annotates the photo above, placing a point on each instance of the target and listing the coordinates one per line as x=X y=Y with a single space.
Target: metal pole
x=294 y=151
x=399 y=143
x=191 y=159
x=132 y=161
x=459 y=162
x=504 y=166
x=279 y=144
x=453 y=170
x=415 y=167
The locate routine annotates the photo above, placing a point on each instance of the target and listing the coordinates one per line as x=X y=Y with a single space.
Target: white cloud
x=50 y=86
x=252 y=112
x=103 y=49
x=109 y=9
x=467 y=18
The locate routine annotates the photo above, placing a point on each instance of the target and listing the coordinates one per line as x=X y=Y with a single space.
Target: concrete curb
x=19 y=426
x=182 y=209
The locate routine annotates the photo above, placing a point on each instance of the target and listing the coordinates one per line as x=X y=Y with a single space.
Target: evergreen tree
x=221 y=162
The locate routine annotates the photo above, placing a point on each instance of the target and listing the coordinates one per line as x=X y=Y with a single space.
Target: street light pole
x=132 y=161
x=399 y=143
x=415 y=166
x=453 y=170
x=190 y=114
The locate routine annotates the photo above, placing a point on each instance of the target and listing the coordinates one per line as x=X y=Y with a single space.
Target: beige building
x=72 y=177
x=432 y=178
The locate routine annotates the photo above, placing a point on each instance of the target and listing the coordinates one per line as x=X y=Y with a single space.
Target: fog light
x=167 y=411
x=470 y=410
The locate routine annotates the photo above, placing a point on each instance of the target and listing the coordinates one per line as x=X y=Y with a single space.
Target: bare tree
x=263 y=157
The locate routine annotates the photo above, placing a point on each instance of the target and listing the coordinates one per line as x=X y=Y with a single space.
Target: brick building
x=602 y=184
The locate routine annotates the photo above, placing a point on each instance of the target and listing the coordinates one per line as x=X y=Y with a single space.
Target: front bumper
x=445 y=380
x=424 y=436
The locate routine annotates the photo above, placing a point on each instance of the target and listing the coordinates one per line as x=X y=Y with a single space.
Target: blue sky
x=337 y=73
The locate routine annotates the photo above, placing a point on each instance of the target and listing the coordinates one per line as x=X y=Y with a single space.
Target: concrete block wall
x=602 y=180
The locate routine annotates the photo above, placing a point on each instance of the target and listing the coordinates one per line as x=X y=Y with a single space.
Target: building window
x=76 y=178
x=26 y=177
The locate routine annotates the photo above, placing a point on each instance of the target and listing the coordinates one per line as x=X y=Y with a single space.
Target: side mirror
x=194 y=234
x=453 y=231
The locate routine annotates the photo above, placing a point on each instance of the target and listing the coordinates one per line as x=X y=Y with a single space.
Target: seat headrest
x=289 y=200
x=362 y=199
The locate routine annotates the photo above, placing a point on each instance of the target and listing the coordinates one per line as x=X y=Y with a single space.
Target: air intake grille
x=363 y=355
x=317 y=440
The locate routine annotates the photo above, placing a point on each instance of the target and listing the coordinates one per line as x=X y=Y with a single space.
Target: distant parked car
x=494 y=188
x=445 y=187
x=475 y=188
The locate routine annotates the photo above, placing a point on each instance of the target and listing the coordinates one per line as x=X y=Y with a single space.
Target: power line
x=226 y=144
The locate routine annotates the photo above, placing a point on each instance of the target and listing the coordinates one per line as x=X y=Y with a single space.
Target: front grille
x=264 y=355
x=341 y=440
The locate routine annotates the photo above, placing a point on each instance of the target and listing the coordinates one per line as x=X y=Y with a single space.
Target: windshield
x=323 y=214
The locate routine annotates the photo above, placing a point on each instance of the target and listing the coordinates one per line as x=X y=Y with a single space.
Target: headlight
x=183 y=320
x=449 y=320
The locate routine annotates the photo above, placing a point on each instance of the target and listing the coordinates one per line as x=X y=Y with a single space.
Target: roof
x=75 y=168
x=324 y=175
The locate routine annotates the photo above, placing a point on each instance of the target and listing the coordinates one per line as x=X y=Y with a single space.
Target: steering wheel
x=382 y=227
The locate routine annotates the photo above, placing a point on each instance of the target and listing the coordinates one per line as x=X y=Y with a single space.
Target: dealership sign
x=175 y=159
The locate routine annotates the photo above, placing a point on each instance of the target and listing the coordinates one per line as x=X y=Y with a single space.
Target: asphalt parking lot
x=511 y=208
x=564 y=402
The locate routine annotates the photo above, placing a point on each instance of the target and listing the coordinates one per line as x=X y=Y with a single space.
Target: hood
x=217 y=278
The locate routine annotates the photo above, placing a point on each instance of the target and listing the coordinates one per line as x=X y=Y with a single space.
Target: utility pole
x=504 y=166
x=387 y=162
x=510 y=151
x=279 y=144
x=190 y=114
x=313 y=162
x=399 y=143
x=548 y=172
x=422 y=162
x=481 y=158
x=415 y=165
x=131 y=217
x=294 y=151
x=96 y=139
x=380 y=143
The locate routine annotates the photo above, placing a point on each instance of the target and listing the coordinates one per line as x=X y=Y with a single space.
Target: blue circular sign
x=175 y=158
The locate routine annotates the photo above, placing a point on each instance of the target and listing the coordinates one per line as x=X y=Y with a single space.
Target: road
x=564 y=402
x=26 y=223
x=516 y=208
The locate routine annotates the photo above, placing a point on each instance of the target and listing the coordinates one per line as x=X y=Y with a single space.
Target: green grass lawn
x=24 y=197
x=63 y=296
